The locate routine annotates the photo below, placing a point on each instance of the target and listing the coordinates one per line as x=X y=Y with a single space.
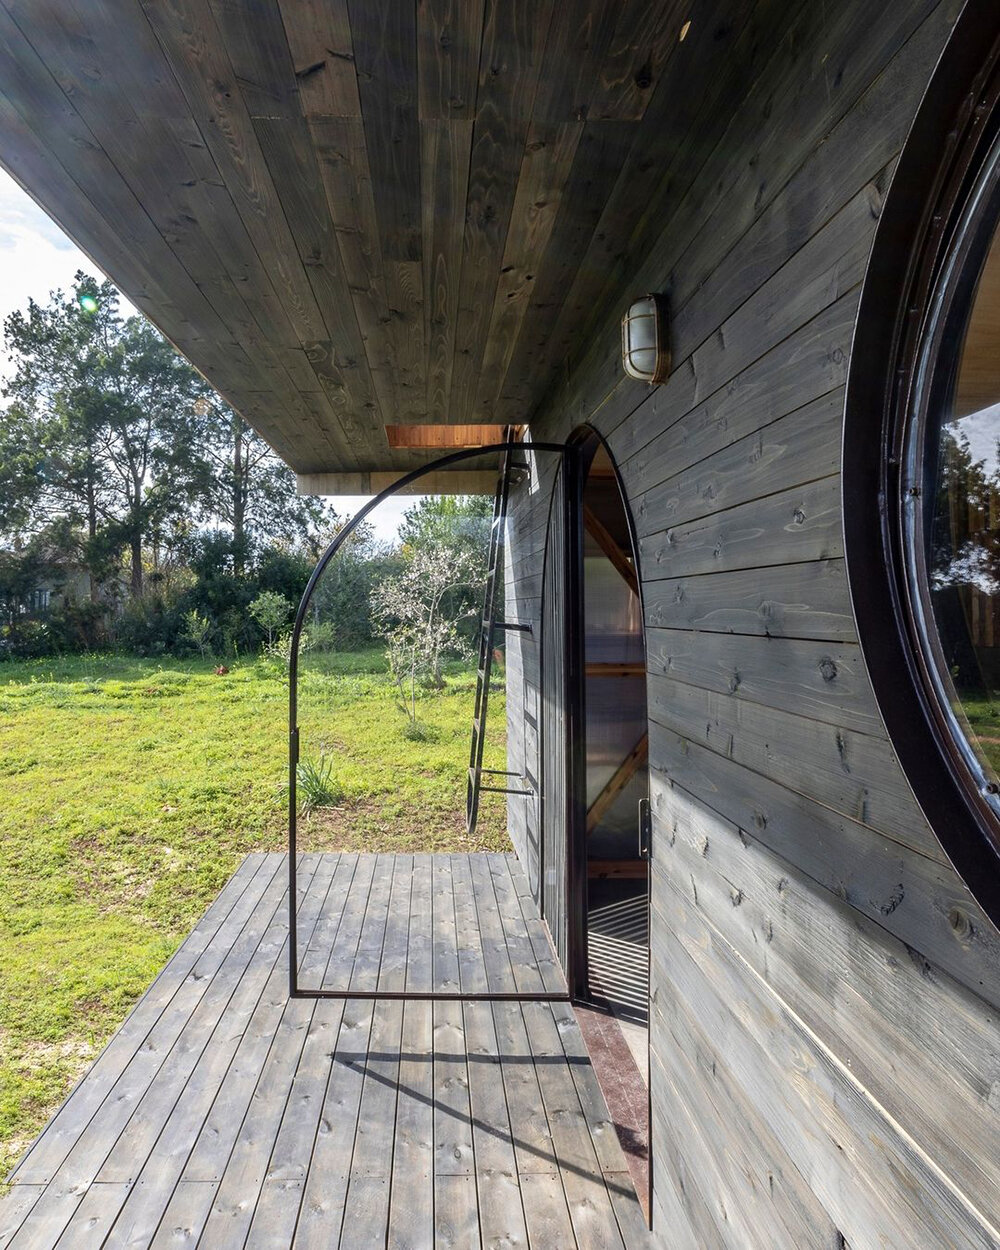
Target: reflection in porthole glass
x=963 y=529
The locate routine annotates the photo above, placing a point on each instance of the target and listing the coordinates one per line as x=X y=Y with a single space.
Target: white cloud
x=385 y=519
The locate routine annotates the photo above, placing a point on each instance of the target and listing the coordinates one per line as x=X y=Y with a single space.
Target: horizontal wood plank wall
x=826 y=991
x=525 y=554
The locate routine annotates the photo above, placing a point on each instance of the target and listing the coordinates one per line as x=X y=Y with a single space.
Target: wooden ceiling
x=978 y=384
x=348 y=213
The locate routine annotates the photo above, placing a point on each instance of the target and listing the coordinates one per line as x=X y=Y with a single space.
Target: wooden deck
x=224 y=1114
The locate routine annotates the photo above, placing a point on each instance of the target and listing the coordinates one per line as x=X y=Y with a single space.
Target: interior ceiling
x=349 y=213
x=979 y=371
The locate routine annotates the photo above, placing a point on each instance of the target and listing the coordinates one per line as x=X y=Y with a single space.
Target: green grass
x=983 y=715
x=131 y=791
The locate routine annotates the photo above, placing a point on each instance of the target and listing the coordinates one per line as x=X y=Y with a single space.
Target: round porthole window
x=949 y=488
x=921 y=466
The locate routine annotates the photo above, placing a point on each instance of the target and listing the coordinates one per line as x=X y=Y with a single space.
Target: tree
x=198 y=630
x=271 y=611
x=461 y=524
x=412 y=613
x=107 y=427
x=98 y=425
x=243 y=484
x=342 y=598
x=456 y=521
x=965 y=541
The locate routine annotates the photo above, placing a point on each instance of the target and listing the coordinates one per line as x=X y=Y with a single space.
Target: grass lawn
x=131 y=790
x=983 y=715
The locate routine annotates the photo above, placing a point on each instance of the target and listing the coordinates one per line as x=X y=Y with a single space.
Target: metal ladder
x=490 y=625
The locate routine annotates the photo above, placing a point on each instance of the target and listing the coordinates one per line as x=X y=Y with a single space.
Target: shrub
x=25 y=640
x=78 y=626
x=271 y=611
x=148 y=625
x=198 y=630
x=316 y=785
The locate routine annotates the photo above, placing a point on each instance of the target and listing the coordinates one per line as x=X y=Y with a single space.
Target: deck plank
x=456 y=1213
x=325 y=1195
x=411 y=1212
x=277 y=1210
x=160 y=1167
x=471 y=961
x=453 y=1148
x=246 y=1167
x=419 y=958
x=229 y=1114
x=371 y=938
x=15 y=1208
x=340 y=971
x=499 y=971
x=94 y=1216
x=501 y=1216
x=532 y=1137
x=594 y=1221
x=48 y=1216
x=367 y=1207
x=316 y=952
x=395 y=946
x=543 y=951
x=185 y=1216
x=516 y=939
x=545 y=1210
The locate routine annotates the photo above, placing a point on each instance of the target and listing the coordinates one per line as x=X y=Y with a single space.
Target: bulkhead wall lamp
x=645 y=350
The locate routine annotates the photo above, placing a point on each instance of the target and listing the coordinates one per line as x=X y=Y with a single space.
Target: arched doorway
x=595 y=775
x=595 y=780
x=616 y=754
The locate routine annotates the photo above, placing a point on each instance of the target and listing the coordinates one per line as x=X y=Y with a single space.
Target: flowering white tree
x=418 y=612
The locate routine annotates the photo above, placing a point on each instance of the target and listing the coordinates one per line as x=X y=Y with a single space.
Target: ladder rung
x=489 y=626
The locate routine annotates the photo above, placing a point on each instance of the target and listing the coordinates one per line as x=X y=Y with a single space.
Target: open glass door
x=612 y=844
x=617 y=742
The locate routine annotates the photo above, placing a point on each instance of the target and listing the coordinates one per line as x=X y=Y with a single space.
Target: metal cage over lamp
x=645 y=353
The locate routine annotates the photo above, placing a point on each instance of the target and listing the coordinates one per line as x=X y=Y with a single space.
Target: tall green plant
x=271 y=612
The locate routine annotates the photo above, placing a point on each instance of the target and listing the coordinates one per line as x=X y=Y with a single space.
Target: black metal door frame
x=575 y=723
x=294 y=988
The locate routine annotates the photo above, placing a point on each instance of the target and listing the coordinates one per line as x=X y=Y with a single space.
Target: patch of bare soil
x=374 y=825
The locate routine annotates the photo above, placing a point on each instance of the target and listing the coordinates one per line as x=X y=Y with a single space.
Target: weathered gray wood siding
x=825 y=1040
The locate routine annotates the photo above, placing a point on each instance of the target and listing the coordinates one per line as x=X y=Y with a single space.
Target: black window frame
x=944 y=200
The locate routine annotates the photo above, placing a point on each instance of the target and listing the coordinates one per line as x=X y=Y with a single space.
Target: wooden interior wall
x=825 y=1034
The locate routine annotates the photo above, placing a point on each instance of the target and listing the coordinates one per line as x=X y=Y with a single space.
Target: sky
x=36 y=257
x=981 y=429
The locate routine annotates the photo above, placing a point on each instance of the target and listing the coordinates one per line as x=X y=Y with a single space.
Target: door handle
x=645 y=829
